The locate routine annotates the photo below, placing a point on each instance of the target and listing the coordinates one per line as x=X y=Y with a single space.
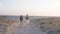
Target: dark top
x=21 y=18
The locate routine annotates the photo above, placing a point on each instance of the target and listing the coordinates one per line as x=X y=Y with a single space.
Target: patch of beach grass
x=5 y=22
x=51 y=23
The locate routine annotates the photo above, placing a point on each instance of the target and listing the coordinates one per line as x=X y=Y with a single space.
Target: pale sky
x=30 y=7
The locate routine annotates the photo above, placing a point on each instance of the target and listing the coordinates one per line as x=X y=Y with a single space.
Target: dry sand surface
x=26 y=27
x=14 y=26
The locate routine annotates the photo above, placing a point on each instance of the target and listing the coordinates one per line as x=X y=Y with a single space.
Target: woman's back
x=21 y=18
x=27 y=17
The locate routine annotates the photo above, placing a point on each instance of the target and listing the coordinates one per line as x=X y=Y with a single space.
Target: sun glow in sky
x=30 y=7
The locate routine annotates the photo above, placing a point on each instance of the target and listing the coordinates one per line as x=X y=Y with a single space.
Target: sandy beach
x=31 y=26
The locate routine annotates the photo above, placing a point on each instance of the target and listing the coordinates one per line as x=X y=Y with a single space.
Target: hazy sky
x=30 y=7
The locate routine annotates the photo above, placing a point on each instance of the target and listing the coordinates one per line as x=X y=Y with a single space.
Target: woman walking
x=27 y=17
x=21 y=18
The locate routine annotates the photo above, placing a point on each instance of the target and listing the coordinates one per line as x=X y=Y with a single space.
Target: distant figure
x=27 y=17
x=21 y=18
